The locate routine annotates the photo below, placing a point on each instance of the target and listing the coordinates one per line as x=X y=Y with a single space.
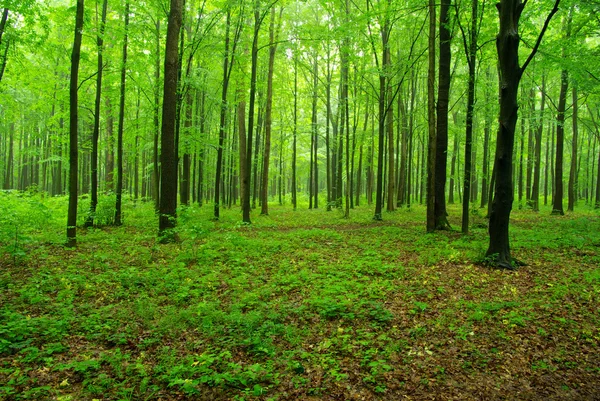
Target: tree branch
x=541 y=35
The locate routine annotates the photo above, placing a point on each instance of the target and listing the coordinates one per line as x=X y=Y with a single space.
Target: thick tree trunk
x=73 y=118
x=507 y=44
x=168 y=156
x=441 y=140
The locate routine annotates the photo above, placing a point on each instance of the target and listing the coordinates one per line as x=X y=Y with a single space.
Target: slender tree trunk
x=313 y=181
x=156 y=131
x=273 y=37
x=96 y=134
x=472 y=60
x=73 y=119
x=557 y=200
x=391 y=187
x=431 y=122
x=248 y=170
x=8 y=178
x=521 y=155
x=4 y=59
x=535 y=191
x=573 y=172
x=118 y=213
x=223 y=118
x=168 y=156
x=294 y=139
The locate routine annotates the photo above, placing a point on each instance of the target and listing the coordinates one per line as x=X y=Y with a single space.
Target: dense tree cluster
x=323 y=103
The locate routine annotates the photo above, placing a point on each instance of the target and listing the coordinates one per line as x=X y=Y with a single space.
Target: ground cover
x=299 y=305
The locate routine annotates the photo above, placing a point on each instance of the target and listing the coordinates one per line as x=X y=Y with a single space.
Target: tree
x=119 y=192
x=73 y=120
x=273 y=38
x=96 y=134
x=431 y=153
x=3 y=20
x=168 y=155
x=572 y=191
x=441 y=137
x=510 y=73
x=557 y=200
x=228 y=61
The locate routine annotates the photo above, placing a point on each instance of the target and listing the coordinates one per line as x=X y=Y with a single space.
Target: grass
x=300 y=305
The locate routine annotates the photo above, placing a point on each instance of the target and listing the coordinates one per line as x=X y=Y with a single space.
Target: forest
x=299 y=199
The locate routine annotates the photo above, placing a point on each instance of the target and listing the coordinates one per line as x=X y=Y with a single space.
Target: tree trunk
x=432 y=149
x=535 y=190
x=507 y=44
x=118 y=213
x=248 y=170
x=168 y=156
x=273 y=37
x=295 y=132
x=96 y=133
x=472 y=59
x=573 y=172
x=73 y=117
x=222 y=119
x=441 y=139
x=557 y=200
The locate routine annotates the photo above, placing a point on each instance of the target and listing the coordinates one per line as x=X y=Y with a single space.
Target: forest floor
x=300 y=305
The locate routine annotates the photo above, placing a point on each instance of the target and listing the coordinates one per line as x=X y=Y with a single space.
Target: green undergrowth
x=299 y=304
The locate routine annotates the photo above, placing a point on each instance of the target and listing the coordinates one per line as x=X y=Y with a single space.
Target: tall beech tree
x=168 y=155
x=274 y=28
x=557 y=199
x=228 y=62
x=73 y=120
x=119 y=192
x=535 y=190
x=441 y=137
x=510 y=74
x=572 y=190
x=96 y=134
x=471 y=55
x=431 y=150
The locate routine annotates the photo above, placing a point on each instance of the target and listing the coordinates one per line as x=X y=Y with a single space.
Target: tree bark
x=557 y=200
x=432 y=150
x=273 y=37
x=168 y=156
x=535 y=190
x=441 y=139
x=507 y=44
x=573 y=172
x=73 y=119
x=96 y=133
x=248 y=171
x=222 y=119
x=119 y=192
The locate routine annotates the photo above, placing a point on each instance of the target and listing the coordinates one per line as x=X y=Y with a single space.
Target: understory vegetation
x=300 y=305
